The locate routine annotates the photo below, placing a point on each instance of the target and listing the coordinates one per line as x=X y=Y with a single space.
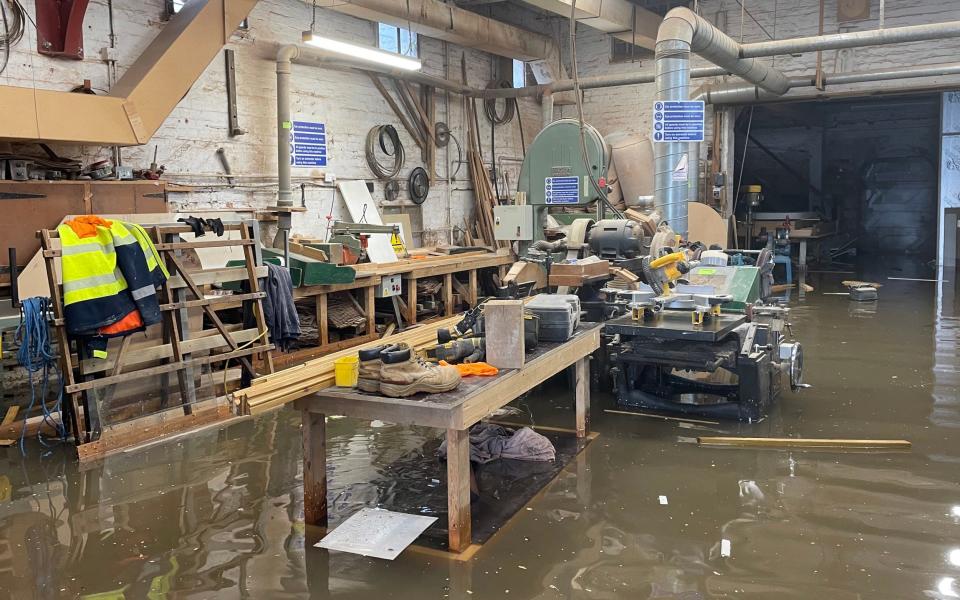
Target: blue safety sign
x=562 y=190
x=308 y=144
x=678 y=121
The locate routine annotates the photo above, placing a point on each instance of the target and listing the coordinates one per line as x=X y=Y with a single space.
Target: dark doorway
x=867 y=164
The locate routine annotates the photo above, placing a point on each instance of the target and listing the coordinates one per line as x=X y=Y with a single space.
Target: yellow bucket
x=346 y=370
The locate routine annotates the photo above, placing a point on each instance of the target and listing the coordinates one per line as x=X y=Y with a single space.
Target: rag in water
x=488 y=442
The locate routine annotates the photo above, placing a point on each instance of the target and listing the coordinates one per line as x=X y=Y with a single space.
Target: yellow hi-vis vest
x=108 y=275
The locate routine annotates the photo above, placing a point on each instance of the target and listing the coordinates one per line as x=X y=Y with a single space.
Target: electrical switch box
x=513 y=223
x=390 y=286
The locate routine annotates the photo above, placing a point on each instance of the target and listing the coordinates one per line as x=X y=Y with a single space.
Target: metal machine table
x=454 y=411
x=677 y=326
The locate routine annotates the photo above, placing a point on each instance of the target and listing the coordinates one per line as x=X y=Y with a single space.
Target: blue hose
x=36 y=356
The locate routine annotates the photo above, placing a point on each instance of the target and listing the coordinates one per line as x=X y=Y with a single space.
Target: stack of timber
x=273 y=391
x=483 y=192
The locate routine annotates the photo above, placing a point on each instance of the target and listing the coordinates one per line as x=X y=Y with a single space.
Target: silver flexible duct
x=681 y=33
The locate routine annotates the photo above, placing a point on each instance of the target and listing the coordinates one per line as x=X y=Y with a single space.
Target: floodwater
x=642 y=513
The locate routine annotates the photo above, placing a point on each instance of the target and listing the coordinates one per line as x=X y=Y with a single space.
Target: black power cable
x=602 y=193
x=13 y=28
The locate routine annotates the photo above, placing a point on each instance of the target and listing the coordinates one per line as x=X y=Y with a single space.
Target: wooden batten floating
x=801 y=443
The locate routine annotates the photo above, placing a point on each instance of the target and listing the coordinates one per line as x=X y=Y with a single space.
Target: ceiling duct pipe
x=853 y=39
x=681 y=33
x=744 y=93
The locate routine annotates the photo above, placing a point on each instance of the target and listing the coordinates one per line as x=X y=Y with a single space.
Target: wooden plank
x=362 y=281
x=458 y=489
x=583 y=396
x=196 y=362
x=207 y=302
x=401 y=115
x=291 y=360
x=166 y=247
x=474 y=288
x=149 y=428
x=215 y=276
x=411 y=300
x=11 y=416
x=504 y=333
x=63 y=343
x=840 y=444
x=516 y=383
x=525 y=272
x=448 y=294
x=315 y=469
x=370 y=301
x=323 y=319
x=152 y=353
x=308 y=252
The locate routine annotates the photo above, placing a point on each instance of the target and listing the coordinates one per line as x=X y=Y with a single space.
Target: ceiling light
x=361 y=52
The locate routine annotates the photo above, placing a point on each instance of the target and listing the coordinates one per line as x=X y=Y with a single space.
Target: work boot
x=405 y=374
x=369 y=377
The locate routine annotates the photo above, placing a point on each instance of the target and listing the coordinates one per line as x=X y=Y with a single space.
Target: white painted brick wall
x=347 y=102
x=629 y=108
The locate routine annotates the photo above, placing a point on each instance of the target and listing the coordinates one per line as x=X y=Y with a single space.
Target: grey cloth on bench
x=488 y=442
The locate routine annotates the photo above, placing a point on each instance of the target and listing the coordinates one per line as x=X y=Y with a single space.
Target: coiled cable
x=36 y=356
x=13 y=28
x=380 y=136
x=509 y=105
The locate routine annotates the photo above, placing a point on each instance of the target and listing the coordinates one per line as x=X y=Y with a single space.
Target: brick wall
x=347 y=102
x=628 y=108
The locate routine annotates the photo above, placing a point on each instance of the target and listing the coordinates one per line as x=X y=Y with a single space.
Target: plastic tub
x=346 y=371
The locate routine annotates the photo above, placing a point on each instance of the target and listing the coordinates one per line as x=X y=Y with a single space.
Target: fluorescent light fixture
x=361 y=52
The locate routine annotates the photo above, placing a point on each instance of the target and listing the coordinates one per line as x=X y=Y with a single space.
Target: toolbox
x=559 y=315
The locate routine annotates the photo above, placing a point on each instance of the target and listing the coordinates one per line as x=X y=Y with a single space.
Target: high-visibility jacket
x=110 y=270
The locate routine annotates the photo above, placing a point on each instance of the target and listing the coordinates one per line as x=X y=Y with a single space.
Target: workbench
x=368 y=278
x=456 y=412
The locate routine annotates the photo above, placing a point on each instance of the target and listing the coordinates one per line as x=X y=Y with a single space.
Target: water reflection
x=220 y=515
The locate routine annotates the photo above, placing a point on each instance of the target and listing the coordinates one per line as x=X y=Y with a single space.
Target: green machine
x=741 y=284
x=557 y=173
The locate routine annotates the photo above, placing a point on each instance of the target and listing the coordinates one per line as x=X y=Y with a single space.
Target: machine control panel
x=390 y=286
x=513 y=223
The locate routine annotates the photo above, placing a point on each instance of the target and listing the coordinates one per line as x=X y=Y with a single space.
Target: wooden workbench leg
x=583 y=396
x=448 y=294
x=315 y=468
x=474 y=289
x=323 y=320
x=458 y=489
x=369 y=300
x=411 y=300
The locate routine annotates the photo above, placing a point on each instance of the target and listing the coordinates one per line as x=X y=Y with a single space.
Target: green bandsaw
x=556 y=174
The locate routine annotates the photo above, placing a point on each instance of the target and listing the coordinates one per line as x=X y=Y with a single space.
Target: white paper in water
x=377 y=533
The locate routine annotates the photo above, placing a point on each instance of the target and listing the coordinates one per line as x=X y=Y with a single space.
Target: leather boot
x=405 y=374
x=369 y=377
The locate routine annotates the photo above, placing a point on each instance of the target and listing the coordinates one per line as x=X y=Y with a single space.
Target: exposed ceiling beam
x=443 y=21
x=620 y=18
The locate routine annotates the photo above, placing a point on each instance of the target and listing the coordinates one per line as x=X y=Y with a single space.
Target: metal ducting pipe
x=853 y=39
x=285 y=57
x=681 y=33
x=744 y=93
x=590 y=83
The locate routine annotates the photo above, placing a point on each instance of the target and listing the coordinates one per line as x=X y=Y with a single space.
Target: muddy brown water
x=220 y=514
